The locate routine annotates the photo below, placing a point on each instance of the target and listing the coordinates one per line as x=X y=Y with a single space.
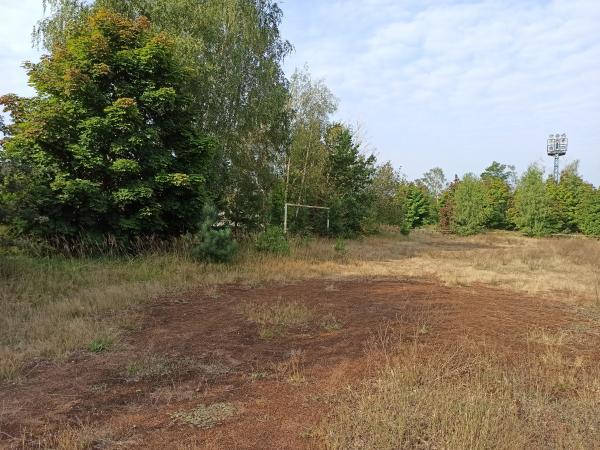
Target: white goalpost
x=295 y=205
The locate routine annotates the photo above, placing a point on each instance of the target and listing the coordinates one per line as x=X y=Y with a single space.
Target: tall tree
x=588 y=214
x=387 y=203
x=470 y=213
x=446 y=211
x=532 y=211
x=349 y=175
x=312 y=104
x=497 y=197
x=567 y=196
x=435 y=182
x=504 y=172
x=417 y=205
x=236 y=80
x=108 y=144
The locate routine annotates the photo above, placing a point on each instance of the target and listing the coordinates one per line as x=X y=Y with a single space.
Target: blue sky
x=446 y=83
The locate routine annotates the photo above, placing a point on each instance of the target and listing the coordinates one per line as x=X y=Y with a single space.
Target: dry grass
x=291 y=370
x=80 y=437
x=205 y=416
x=274 y=319
x=52 y=306
x=468 y=397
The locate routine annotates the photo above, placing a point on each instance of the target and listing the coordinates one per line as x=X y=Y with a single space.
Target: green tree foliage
x=435 y=182
x=446 y=202
x=498 y=179
x=417 y=205
x=349 y=176
x=497 y=198
x=235 y=51
x=533 y=213
x=588 y=217
x=470 y=213
x=213 y=244
x=388 y=203
x=108 y=144
x=499 y=171
x=306 y=161
x=567 y=197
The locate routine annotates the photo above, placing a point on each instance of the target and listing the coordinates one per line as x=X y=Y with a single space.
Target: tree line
x=496 y=199
x=171 y=117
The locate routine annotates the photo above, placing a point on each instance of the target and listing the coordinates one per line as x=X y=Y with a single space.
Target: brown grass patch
x=274 y=319
x=468 y=397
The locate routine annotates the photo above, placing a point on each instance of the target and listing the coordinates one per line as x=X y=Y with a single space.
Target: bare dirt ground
x=201 y=349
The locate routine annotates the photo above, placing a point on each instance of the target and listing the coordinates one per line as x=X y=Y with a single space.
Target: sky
x=449 y=83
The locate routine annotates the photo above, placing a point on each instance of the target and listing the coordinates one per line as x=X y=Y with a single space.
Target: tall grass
x=466 y=397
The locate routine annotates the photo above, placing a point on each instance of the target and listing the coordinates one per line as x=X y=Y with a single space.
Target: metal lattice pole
x=557 y=146
x=557 y=168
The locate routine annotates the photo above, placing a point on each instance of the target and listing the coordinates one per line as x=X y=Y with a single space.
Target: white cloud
x=489 y=79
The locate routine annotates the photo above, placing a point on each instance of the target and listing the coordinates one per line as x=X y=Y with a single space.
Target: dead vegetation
x=274 y=319
x=415 y=364
x=50 y=307
x=466 y=396
x=205 y=416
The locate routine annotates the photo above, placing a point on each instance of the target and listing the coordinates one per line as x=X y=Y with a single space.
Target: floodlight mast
x=557 y=147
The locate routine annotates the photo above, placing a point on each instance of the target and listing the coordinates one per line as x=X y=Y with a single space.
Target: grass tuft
x=100 y=344
x=273 y=320
x=205 y=416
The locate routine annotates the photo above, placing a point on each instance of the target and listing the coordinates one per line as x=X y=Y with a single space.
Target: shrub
x=213 y=245
x=272 y=240
x=340 y=247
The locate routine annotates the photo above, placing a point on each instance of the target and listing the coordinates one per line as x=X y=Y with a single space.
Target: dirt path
x=199 y=349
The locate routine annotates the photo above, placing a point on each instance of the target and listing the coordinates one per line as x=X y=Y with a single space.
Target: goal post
x=296 y=205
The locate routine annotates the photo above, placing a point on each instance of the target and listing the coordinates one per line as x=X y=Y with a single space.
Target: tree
x=312 y=104
x=567 y=196
x=499 y=171
x=532 y=211
x=588 y=214
x=446 y=202
x=470 y=213
x=497 y=197
x=388 y=204
x=108 y=144
x=235 y=51
x=349 y=175
x=417 y=206
x=435 y=182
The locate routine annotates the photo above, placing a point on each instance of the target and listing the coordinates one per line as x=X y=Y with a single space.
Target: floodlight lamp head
x=557 y=145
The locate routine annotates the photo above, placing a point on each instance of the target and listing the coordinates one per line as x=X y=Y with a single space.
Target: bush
x=213 y=245
x=340 y=247
x=272 y=240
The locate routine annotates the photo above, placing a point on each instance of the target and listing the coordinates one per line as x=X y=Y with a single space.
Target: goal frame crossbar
x=297 y=205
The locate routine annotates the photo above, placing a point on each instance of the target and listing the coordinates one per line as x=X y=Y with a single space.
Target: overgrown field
x=481 y=342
